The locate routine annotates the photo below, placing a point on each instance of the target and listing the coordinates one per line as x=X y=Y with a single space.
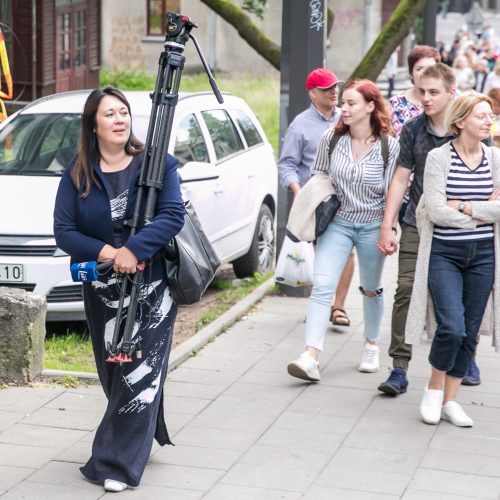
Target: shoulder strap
x=384 y=146
x=333 y=142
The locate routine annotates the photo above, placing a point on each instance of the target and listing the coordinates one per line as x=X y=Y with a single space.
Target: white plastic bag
x=295 y=263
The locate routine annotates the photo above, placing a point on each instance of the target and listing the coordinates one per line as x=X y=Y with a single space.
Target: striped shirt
x=361 y=185
x=467 y=185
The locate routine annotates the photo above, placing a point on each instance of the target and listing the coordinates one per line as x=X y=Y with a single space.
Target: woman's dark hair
x=419 y=52
x=88 y=149
x=379 y=119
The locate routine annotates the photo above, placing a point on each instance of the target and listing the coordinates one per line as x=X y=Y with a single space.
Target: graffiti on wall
x=347 y=18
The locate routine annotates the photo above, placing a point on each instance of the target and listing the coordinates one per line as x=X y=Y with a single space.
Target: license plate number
x=11 y=273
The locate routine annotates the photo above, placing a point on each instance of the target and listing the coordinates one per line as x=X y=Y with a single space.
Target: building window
x=79 y=37
x=157 y=15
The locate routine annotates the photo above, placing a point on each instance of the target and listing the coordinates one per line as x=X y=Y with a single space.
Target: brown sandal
x=341 y=315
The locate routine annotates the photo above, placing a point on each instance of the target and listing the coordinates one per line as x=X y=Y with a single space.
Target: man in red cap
x=299 y=151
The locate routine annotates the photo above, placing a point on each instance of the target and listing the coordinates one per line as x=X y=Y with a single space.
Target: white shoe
x=369 y=361
x=455 y=414
x=114 y=486
x=430 y=407
x=306 y=368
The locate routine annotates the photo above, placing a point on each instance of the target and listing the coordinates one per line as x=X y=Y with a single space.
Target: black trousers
x=134 y=414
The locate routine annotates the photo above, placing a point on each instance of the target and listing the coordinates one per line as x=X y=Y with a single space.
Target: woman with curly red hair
x=361 y=178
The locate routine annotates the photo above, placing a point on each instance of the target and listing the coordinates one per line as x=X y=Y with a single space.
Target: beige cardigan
x=435 y=211
x=302 y=219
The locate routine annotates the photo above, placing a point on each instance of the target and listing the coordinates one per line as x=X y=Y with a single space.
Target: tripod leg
x=126 y=348
x=112 y=347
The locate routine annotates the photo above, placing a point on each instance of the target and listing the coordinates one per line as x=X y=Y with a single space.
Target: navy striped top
x=467 y=185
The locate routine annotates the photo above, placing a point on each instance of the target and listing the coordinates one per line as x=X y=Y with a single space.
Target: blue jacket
x=82 y=226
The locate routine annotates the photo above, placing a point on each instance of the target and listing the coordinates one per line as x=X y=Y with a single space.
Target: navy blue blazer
x=82 y=226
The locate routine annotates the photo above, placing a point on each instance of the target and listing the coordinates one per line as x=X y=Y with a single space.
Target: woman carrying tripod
x=96 y=196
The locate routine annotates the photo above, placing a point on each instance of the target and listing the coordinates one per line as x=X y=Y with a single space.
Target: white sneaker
x=455 y=414
x=430 y=407
x=114 y=486
x=369 y=361
x=306 y=368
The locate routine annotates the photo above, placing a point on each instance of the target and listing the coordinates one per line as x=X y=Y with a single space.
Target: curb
x=184 y=351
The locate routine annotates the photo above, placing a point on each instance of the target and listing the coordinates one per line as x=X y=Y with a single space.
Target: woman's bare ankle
x=313 y=352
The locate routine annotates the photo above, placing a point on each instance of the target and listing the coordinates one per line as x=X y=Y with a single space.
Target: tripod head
x=178 y=30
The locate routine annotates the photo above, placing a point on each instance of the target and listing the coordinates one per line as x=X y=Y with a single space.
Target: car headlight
x=59 y=253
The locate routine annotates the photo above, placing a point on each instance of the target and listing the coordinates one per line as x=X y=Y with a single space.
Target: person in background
x=361 y=178
x=407 y=105
x=464 y=73
x=494 y=95
x=493 y=78
x=299 y=150
x=96 y=195
x=459 y=253
x=420 y=135
x=481 y=72
x=391 y=70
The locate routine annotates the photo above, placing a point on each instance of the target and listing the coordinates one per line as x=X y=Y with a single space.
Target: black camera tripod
x=164 y=99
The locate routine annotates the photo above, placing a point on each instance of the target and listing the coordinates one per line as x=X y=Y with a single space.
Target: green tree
x=393 y=33
x=248 y=30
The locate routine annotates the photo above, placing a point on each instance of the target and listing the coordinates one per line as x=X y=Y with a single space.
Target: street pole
x=429 y=18
x=303 y=40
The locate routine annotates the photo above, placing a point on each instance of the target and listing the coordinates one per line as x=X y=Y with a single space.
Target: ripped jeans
x=332 y=251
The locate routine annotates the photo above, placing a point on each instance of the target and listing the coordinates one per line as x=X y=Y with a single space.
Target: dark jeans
x=399 y=351
x=461 y=276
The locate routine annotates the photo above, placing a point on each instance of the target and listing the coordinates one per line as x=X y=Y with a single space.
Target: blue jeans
x=332 y=251
x=461 y=276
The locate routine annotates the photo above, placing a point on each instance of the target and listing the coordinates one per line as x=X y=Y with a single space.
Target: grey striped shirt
x=361 y=185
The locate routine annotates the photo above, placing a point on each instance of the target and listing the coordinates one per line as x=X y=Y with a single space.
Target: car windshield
x=38 y=144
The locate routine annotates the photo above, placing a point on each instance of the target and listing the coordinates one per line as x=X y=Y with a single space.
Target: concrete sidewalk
x=244 y=429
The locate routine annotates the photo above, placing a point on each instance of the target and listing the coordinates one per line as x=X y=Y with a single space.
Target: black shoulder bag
x=190 y=261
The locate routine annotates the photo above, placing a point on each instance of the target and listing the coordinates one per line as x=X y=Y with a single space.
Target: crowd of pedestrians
x=435 y=199
x=475 y=59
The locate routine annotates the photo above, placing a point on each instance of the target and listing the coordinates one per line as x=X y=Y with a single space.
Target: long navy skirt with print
x=134 y=415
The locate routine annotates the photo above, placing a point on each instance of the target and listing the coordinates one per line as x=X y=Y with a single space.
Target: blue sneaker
x=397 y=383
x=473 y=375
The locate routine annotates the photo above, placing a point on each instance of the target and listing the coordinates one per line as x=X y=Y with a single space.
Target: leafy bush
x=260 y=92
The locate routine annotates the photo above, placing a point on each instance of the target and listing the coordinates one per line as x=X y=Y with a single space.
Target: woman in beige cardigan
x=459 y=253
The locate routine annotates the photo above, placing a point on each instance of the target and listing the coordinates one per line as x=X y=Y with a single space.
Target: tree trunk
x=394 y=32
x=246 y=28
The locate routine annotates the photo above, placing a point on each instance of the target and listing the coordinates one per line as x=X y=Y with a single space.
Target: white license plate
x=10 y=273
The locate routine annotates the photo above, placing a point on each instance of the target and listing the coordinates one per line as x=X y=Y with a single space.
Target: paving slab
x=10 y=475
x=9 y=418
x=30 y=456
x=36 y=491
x=147 y=492
x=196 y=456
x=244 y=429
x=232 y=492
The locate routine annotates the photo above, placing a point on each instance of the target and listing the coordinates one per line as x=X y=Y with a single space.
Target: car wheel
x=260 y=256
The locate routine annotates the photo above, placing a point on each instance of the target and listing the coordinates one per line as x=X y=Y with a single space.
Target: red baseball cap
x=321 y=78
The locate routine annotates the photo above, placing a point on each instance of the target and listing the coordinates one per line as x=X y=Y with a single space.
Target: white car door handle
x=218 y=192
